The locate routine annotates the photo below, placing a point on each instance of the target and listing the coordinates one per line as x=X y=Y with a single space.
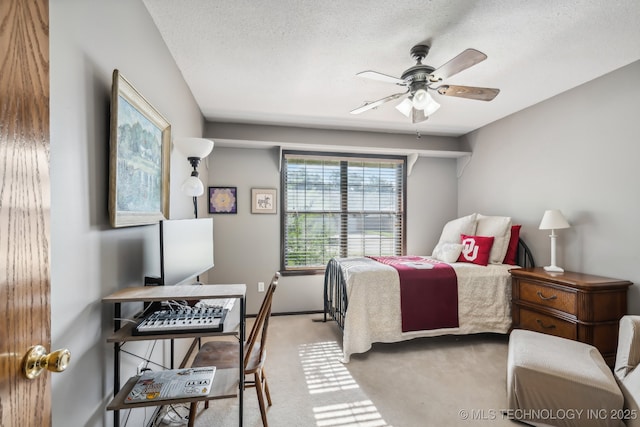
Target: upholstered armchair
x=626 y=369
x=553 y=381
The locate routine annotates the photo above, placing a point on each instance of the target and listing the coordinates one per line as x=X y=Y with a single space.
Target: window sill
x=301 y=272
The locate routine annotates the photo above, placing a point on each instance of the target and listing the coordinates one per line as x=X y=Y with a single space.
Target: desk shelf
x=231 y=327
x=227 y=383
x=184 y=292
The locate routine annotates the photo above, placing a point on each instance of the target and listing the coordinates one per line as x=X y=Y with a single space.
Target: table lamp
x=553 y=220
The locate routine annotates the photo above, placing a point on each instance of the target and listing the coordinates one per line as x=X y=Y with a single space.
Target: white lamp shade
x=405 y=107
x=420 y=99
x=194 y=147
x=192 y=186
x=553 y=220
x=431 y=108
x=423 y=101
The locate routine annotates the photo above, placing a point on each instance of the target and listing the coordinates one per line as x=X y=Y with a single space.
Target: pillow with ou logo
x=475 y=249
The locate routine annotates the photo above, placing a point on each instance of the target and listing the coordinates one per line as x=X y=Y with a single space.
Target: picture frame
x=264 y=200
x=223 y=200
x=139 y=156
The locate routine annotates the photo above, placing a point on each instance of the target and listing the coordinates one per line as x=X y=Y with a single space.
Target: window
x=337 y=205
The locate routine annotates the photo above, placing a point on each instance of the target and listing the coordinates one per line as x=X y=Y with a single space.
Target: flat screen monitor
x=186 y=249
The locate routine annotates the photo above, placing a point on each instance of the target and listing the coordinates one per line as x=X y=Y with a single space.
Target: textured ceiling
x=294 y=62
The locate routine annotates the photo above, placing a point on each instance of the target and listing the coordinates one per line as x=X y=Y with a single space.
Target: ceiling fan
x=419 y=79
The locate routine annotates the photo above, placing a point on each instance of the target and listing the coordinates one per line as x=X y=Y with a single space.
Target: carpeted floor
x=444 y=381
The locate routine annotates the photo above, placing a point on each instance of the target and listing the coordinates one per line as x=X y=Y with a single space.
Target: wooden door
x=24 y=208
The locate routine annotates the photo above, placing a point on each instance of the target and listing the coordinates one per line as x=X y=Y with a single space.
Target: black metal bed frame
x=335 y=289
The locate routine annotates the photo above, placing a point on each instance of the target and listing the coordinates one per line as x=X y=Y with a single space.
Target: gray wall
x=577 y=152
x=89 y=259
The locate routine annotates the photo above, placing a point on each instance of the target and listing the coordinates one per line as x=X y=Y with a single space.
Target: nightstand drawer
x=548 y=297
x=547 y=324
x=578 y=306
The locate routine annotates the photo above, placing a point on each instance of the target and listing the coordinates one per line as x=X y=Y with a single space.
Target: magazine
x=172 y=384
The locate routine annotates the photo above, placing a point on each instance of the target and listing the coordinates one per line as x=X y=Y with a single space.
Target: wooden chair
x=224 y=354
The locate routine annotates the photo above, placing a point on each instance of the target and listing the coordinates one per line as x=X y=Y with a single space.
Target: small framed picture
x=263 y=200
x=223 y=200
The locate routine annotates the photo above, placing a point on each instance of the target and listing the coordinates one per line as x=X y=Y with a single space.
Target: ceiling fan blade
x=461 y=62
x=379 y=102
x=374 y=75
x=418 y=116
x=470 y=92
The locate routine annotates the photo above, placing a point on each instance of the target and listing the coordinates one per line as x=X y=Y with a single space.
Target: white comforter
x=373 y=313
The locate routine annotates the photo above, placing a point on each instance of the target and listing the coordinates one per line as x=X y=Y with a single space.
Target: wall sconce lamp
x=553 y=220
x=195 y=149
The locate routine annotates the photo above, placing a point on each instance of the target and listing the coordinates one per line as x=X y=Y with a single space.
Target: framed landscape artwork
x=138 y=160
x=223 y=200
x=263 y=200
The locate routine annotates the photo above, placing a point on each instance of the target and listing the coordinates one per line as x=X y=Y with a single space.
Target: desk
x=224 y=381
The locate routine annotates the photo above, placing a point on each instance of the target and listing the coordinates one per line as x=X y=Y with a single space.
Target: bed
x=363 y=294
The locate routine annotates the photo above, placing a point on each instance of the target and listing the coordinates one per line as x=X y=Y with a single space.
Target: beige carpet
x=444 y=381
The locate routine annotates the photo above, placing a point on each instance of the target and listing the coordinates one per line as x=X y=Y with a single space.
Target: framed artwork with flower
x=223 y=200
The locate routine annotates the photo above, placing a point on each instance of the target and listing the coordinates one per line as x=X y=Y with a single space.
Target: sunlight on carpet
x=324 y=373
x=322 y=370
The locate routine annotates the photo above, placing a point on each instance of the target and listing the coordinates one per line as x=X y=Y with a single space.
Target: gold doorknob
x=37 y=359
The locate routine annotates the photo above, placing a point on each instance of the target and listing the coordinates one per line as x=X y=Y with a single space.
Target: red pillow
x=512 y=249
x=475 y=249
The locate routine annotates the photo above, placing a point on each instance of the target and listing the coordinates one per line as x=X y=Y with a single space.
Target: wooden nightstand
x=577 y=306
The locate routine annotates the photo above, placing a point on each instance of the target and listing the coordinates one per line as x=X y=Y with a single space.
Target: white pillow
x=500 y=228
x=453 y=229
x=447 y=252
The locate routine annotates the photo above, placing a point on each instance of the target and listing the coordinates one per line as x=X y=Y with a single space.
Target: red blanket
x=428 y=296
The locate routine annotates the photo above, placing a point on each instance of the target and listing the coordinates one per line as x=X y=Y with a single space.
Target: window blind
x=341 y=206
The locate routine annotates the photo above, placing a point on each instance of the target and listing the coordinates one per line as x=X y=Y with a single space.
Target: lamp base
x=553 y=269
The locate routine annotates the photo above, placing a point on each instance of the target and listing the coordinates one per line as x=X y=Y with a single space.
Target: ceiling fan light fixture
x=423 y=101
x=420 y=99
x=405 y=107
x=431 y=108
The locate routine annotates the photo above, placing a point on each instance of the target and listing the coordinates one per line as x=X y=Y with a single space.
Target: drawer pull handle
x=545 y=326
x=542 y=297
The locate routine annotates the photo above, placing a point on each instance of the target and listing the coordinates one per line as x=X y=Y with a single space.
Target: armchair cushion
x=549 y=373
x=628 y=355
x=626 y=372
